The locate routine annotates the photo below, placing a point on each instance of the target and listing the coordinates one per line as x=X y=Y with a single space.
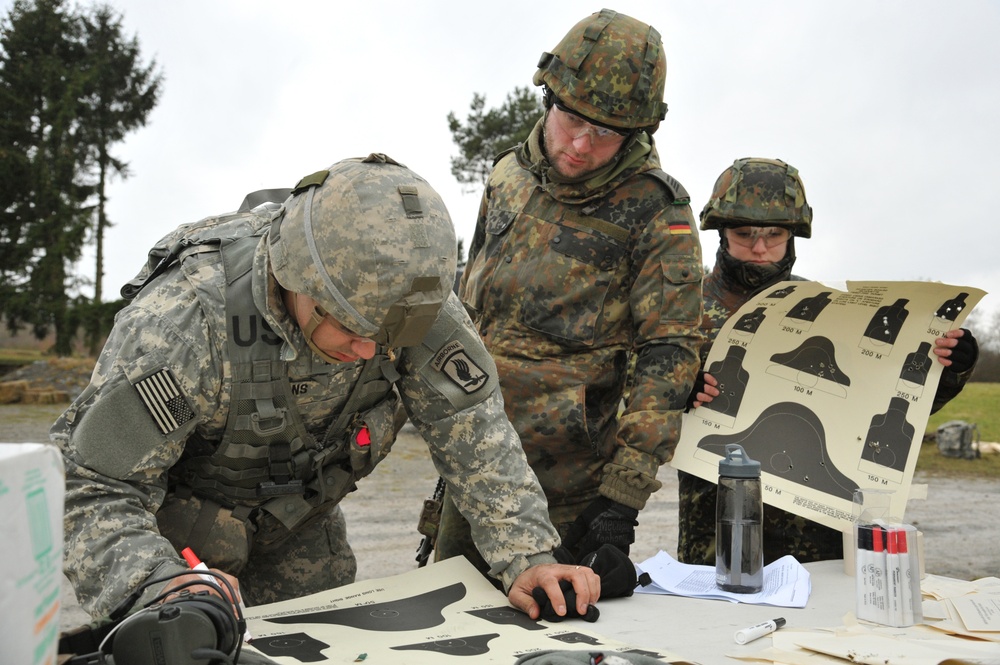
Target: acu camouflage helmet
x=609 y=68
x=372 y=243
x=759 y=192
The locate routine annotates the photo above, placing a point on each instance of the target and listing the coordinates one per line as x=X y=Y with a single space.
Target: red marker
x=194 y=563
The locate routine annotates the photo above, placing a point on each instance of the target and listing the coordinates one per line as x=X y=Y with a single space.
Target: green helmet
x=609 y=68
x=372 y=243
x=759 y=192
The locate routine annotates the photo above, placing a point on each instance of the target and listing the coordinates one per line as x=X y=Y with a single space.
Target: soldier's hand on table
x=585 y=583
x=204 y=585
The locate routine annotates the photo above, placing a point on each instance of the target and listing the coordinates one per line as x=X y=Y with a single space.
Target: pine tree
x=487 y=133
x=121 y=92
x=44 y=215
x=71 y=87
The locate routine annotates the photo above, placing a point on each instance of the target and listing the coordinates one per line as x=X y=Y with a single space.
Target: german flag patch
x=680 y=228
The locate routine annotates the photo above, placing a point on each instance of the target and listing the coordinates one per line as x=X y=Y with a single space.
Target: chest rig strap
x=264 y=433
x=267 y=458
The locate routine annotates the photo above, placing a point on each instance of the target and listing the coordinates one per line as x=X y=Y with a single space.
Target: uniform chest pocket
x=322 y=390
x=568 y=289
x=373 y=435
x=498 y=221
x=479 y=273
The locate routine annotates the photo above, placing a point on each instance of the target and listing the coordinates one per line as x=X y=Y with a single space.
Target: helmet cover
x=759 y=192
x=372 y=243
x=609 y=68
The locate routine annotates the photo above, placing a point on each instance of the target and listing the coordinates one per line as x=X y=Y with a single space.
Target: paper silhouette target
x=829 y=387
x=444 y=611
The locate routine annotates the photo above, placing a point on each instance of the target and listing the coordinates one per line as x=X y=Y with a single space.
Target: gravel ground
x=382 y=515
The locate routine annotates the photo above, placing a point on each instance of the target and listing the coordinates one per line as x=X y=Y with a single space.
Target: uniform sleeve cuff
x=628 y=487
x=163 y=571
x=520 y=564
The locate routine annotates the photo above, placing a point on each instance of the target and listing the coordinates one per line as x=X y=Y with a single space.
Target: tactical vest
x=266 y=458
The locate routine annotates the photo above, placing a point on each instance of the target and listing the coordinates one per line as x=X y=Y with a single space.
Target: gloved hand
x=603 y=521
x=549 y=614
x=616 y=570
x=965 y=353
x=699 y=387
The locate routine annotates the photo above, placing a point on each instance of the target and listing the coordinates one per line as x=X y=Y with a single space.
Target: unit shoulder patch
x=455 y=363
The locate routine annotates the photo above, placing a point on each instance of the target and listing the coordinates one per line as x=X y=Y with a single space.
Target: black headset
x=187 y=629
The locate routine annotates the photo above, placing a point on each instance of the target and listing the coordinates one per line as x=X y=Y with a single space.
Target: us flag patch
x=163 y=399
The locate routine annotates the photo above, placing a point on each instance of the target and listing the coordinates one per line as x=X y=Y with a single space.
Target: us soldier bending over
x=254 y=379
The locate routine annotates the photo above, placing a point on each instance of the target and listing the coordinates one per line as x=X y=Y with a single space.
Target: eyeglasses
x=747 y=236
x=576 y=126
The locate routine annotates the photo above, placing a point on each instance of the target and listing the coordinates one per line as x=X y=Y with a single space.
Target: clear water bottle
x=739 y=531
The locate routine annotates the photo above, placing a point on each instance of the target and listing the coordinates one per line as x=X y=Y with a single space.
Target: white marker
x=760 y=630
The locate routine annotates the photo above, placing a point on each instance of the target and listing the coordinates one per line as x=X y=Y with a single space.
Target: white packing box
x=32 y=491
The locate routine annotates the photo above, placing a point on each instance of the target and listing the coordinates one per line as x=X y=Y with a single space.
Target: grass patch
x=14 y=358
x=978 y=403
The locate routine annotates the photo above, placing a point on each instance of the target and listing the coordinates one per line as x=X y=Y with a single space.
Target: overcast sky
x=888 y=110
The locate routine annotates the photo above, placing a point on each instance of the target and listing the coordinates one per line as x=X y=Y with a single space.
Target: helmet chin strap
x=315 y=318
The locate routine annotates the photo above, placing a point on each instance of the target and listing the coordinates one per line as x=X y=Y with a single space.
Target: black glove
x=616 y=570
x=963 y=357
x=549 y=614
x=699 y=387
x=603 y=521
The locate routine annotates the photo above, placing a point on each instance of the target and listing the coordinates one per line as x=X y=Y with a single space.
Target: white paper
x=979 y=612
x=786 y=582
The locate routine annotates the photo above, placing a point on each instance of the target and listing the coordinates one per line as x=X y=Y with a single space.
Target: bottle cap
x=737 y=464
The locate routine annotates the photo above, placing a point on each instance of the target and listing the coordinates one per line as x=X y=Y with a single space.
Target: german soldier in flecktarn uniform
x=584 y=277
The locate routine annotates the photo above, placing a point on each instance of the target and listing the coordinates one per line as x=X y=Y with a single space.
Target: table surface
x=702 y=630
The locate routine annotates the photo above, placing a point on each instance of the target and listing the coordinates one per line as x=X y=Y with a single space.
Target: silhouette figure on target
x=733 y=380
x=507 y=616
x=574 y=638
x=474 y=645
x=889 y=436
x=884 y=327
x=950 y=310
x=789 y=441
x=416 y=612
x=808 y=309
x=301 y=647
x=917 y=365
x=750 y=322
x=815 y=358
x=783 y=292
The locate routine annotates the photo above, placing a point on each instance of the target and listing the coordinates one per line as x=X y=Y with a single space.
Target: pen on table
x=759 y=630
x=194 y=563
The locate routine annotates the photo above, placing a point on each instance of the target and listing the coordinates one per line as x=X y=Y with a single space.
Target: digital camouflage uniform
x=760 y=198
x=128 y=511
